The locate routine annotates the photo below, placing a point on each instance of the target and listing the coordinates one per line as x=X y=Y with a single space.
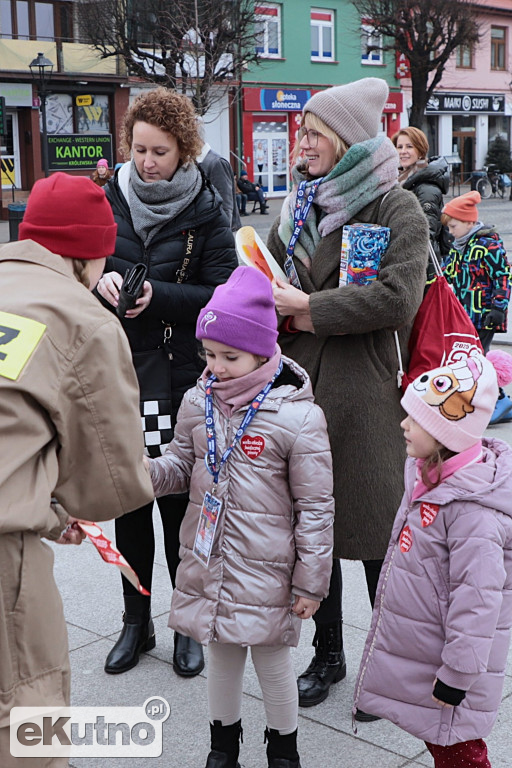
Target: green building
x=304 y=47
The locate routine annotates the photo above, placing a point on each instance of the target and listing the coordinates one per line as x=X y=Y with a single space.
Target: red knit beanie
x=464 y=208
x=71 y=216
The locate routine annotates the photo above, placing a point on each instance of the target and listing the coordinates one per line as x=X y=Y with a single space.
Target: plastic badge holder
x=131 y=288
x=253 y=252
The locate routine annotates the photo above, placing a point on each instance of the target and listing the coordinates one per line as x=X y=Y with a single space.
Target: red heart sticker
x=428 y=513
x=252 y=446
x=406 y=539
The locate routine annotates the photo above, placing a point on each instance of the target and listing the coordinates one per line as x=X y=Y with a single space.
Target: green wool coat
x=352 y=361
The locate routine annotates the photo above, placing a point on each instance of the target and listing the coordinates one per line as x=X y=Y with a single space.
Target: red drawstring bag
x=442 y=331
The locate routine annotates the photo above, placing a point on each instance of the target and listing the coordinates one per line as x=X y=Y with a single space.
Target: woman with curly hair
x=169 y=219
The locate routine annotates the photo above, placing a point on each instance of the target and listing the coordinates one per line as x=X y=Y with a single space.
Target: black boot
x=282 y=750
x=327 y=667
x=187 y=659
x=138 y=635
x=225 y=745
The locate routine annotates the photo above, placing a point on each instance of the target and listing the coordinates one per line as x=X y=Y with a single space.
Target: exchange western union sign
x=74 y=151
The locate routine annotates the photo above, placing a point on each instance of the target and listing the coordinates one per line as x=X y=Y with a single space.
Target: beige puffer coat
x=274 y=535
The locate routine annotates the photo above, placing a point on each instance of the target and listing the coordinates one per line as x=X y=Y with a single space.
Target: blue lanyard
x=302 y=207
x=211 y=440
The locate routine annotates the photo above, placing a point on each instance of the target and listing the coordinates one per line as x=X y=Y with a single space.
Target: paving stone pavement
x=91 y=593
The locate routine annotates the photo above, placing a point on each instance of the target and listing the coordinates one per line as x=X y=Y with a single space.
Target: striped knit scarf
x=364 y=173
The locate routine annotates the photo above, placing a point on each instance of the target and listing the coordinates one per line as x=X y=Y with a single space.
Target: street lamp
x=41 y=70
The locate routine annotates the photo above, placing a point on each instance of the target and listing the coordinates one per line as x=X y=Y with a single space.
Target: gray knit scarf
x=365 y=172
x=154 y=204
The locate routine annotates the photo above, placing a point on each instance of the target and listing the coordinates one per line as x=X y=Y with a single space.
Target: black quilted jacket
x=177 y=305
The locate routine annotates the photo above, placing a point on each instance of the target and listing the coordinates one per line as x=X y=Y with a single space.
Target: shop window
x=371 y=44
x=464 y=57
x=94 y=118
x=63 y=116
x=499 y=125
x=322 y=35
x=267 y=23
x=31 y=20
x=498 y=43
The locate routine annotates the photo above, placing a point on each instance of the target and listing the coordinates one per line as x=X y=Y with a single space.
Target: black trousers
x=330 y=609
x=135 y=539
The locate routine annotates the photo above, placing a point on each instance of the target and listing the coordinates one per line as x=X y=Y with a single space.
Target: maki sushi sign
x=78 y=151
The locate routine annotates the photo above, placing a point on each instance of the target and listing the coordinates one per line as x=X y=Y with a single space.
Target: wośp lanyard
x=302 y=207
x=211 y=456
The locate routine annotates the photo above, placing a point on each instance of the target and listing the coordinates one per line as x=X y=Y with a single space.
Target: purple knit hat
x=241 y=314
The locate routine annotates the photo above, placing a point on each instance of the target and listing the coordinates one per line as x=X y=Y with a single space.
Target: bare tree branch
x=427 y=32
x=196 y=46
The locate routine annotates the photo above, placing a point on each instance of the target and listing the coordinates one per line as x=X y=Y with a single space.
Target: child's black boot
x=225 y=745
x=282 y=750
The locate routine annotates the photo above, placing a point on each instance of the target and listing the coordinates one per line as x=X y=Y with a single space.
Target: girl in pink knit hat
x=256 y=541
x=102 y=174
x=435 y=657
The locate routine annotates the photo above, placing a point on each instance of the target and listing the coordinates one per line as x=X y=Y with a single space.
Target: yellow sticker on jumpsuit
x=19 y=337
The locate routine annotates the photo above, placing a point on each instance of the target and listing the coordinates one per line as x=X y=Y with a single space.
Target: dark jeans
x=330 y=609
x=135 y=539
x=241 y=201
x=259 y=195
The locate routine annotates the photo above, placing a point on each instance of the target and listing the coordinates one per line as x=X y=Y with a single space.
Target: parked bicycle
x=494 y=183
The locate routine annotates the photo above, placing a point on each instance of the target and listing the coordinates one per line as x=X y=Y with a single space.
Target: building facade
x=473 y=103
x=85 y=97
x=304 y=47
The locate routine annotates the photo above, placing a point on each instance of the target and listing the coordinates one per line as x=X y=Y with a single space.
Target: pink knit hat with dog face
x=241 y=314
x=454 y=403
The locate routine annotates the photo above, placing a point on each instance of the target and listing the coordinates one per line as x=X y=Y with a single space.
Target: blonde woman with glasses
x=347 y=172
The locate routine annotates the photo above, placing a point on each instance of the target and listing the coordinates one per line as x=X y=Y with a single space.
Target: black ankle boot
x=138 y=635
x=282 y=750
x=327 y=667
x=225 y=745
x=188 y=658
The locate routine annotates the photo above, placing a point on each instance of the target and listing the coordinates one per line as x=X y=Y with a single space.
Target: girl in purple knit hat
x=435 y=657
x=252 y=448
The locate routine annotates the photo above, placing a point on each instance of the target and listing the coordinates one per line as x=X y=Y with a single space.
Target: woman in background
x=170 y=219
x=429 y=181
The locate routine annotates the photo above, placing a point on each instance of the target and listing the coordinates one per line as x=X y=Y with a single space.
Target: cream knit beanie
x=353 y=111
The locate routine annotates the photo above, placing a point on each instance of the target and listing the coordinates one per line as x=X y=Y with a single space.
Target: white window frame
x=322 y=24
x=266 y=14
x=369 y=34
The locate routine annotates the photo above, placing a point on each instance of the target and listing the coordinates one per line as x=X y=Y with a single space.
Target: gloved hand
x=495 y=317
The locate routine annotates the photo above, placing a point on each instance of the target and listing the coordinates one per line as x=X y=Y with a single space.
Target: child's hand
x=304 y=607
x=438 y=701
x=72 y=533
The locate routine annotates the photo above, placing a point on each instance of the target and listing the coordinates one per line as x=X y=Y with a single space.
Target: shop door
x=10 y=154
x=464 y=144
x=270 y=151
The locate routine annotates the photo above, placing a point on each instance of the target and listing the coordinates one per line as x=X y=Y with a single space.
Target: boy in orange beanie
x=478 y=270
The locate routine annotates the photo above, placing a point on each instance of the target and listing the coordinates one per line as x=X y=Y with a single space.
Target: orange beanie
x=464 y=208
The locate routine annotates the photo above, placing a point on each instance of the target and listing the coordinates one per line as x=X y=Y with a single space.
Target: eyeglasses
x=312 y=136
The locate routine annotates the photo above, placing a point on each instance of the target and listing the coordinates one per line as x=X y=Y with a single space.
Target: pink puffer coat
x=274 y=535
x=444 y=604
